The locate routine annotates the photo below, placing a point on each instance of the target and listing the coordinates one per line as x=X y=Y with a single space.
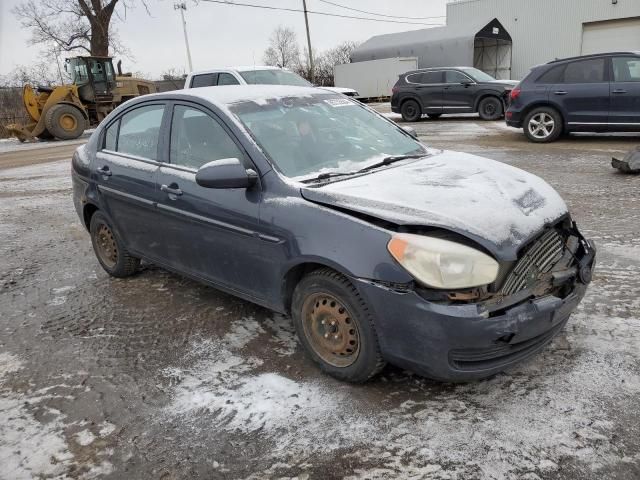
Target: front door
x=209 y=233
x=584 y=94
x=125 y=169
x=459 y=92
x=625 y=93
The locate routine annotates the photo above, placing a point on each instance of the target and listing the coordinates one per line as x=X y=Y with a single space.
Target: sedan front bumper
x=455 y=342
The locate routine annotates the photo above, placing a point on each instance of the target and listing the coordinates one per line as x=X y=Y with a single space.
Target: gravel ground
x=159 y=377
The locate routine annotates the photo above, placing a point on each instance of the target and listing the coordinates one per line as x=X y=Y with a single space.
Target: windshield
x=319 y=134
x=478 y=75
x=274 y=77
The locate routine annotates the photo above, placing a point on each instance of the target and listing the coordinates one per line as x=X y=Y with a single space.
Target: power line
x=326 y=14
x=380 y=14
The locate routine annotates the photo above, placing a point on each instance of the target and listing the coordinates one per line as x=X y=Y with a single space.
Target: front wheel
x=490 y=108
x=336 y=327
x=109 y=249
x=411 y=111
x=543 y=125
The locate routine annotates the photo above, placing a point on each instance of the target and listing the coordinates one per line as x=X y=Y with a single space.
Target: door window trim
x=246 y=158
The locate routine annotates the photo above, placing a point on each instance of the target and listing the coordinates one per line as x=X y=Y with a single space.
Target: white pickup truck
x=256 y=75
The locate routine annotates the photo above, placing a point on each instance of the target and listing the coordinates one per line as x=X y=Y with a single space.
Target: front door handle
x=104 y=170
x=560 y=92
x=171 y=191
x=619 y=91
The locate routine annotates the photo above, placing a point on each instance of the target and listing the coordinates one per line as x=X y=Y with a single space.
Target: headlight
x=440 y=263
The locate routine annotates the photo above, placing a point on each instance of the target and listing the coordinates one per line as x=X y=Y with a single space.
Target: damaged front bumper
x=462 y=341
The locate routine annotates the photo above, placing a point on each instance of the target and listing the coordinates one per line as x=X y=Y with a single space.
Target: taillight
x=515 y=93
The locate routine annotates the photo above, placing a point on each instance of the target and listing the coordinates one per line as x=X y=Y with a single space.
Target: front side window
x=111 y=137
x=585 y=71
x=319 y=133
x=452 y=76
x=478 y=75
x=204 y=80
x=626 y=69
x=273 y=77
x=227 y=79
x=139 y=131
x=196 y=139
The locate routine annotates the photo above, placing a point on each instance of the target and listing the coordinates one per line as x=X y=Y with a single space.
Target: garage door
x=611 y=36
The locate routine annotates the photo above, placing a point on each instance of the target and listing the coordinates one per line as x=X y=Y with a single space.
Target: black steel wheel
x=490 y=108
x=411 y=111
x=110 y=251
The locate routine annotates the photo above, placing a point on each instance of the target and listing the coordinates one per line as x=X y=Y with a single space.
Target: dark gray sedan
x=311 y=204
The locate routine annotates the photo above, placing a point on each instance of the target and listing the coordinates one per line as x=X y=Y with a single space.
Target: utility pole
x=306 y=22
x=182 y=6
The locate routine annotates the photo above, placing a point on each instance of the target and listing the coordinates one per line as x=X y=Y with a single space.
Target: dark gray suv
x=438 y=91
x=594 y=93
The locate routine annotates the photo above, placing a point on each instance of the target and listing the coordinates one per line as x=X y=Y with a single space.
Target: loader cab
x=94 y=77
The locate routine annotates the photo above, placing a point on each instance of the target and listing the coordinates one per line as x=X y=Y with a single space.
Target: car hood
x=497 y=205
x=506 y=83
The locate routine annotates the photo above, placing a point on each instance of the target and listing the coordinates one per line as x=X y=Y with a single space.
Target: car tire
x=490 y=108
x=411 y=111
x=335 y=326
x=65 y=122
x=434 y=116
x=543 y=125
x=109 y=249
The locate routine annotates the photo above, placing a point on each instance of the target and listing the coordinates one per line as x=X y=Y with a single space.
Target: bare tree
x=283 y=48
x=39 y=73
x=72 y=25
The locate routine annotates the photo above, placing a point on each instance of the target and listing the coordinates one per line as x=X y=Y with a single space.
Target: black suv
x=437 y=91
x=593 y=93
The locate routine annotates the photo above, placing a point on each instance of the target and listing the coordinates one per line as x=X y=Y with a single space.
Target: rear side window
x=227 y=79
x=626 y=69
x=196 y=139
x=425 y=78
x=585 y=71
x=139 y=131
x=554 y=75
x=204 y=80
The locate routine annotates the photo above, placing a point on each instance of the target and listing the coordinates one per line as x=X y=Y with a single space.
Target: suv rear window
x=425 y=77
x=585 y=71
x=204 y=80
x=554 y=75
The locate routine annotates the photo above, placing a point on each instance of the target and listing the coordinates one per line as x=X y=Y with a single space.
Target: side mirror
x=411 y=131
x=225 y=173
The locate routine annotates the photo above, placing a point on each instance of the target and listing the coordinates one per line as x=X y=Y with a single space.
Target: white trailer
x=373 y=78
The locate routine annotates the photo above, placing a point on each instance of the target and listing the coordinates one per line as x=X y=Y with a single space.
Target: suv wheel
x=335 y=326
x=543 y=125
x=411 y=111
x=490 y=108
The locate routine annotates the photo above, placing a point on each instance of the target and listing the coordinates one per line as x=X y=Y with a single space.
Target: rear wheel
x=411 y=111
x=490 y=108
x=64 y=121
x=336 y=327
x=543 y=125
x=109 y=249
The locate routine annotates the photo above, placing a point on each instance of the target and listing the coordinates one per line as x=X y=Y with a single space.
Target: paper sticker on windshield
x=338 y=102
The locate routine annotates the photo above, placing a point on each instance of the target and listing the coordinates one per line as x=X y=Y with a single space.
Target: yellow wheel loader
x=65 y=111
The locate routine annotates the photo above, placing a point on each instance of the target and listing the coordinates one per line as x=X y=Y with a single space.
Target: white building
x=527 y=33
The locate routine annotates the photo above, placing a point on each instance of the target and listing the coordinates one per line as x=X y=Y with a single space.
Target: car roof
x=246 y=68
x=593 y=55
x=223 y=96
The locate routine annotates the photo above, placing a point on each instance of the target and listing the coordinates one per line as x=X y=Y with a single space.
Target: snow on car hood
x=497 y=205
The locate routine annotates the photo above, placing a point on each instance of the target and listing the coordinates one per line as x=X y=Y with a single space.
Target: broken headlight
x=440 y=263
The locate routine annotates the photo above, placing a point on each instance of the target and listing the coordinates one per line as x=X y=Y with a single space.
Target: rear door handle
x=171 y=191
x=104 y=170
x=619 y=91
x=560 y=92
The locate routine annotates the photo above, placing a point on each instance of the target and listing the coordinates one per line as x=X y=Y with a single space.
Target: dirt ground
x=158 y=377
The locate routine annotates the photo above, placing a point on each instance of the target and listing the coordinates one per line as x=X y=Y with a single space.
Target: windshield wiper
x=326 y=176
x=390 y=160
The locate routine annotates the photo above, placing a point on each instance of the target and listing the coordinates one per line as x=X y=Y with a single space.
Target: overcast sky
x=222 y=35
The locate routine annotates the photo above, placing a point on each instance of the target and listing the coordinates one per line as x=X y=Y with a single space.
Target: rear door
x=126 y=168
x=625 y=93
x=429 y=87
x=583 y=96
x=459 y=92
x=209 y=233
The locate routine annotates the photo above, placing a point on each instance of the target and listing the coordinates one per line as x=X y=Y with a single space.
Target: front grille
x=540 y=258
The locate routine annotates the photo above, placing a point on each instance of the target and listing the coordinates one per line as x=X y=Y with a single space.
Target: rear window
x=554 y=75
x=425 y=77
x=204 y=80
